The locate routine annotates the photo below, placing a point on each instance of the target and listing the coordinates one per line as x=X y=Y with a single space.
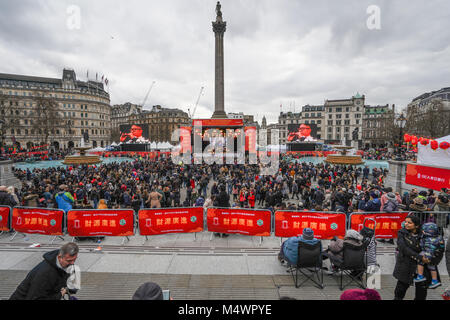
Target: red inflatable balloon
x=359 y=187
x=444 y=145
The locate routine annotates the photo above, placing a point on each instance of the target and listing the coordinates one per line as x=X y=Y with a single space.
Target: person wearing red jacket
x=251 y=199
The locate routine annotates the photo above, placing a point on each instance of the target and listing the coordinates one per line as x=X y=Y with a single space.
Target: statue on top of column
x=218 y=7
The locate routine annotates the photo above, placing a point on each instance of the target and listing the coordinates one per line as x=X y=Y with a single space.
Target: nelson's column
x=219 y=28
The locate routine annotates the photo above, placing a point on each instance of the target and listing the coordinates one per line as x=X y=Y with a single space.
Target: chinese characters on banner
x=91 y=223
x=388 y=224
x=427 y=177
x=243 y=221
x=177 y=220
x=38 y=220
x=325 y=225
x=4 y=218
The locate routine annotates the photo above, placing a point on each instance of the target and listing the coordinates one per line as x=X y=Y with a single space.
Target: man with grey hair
x=48 y=280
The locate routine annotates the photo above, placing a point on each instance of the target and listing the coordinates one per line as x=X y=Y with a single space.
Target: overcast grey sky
x=289 y=52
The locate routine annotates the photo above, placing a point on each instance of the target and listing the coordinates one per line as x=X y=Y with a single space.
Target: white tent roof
x=437 y=158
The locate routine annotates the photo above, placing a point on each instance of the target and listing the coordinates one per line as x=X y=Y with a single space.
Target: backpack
x=390 y=206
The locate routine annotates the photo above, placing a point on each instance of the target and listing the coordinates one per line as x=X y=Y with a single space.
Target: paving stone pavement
x=120 y=286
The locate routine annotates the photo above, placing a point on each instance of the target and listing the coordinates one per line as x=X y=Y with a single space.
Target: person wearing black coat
x=48 y=280
x=447 y=255
x=407 y=257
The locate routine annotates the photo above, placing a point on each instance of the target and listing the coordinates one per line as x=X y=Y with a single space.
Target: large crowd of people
x=161 y=183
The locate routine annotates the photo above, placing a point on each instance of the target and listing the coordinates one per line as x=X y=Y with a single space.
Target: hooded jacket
x=44 y=282
x=64 y=201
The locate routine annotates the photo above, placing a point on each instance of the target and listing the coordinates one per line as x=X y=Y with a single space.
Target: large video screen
x=302 y=133
x=135 y=133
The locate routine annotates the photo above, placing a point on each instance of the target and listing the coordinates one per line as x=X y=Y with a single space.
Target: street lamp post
x=401 y=123
x=2 y=122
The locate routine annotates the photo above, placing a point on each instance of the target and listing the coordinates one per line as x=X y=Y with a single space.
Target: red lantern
x=444 y=145
x=434 y=144
x=414 y=140
x=424 y=141
x=407 y=137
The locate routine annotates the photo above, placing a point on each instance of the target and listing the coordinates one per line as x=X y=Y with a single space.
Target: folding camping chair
x=310 y=259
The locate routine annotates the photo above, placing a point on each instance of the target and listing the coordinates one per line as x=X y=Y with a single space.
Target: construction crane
x=148 y=93
x=196 y=104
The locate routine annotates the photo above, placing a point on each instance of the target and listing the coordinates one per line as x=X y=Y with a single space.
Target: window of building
x=346 y=122
x=338 y=122
x=338 y=109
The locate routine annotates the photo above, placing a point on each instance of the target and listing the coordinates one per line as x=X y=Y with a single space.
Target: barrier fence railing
x=157 y=221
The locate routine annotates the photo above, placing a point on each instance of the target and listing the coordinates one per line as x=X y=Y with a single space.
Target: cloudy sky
x=277 y=52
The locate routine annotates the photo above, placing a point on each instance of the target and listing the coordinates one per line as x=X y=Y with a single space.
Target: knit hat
x=308 y=234
x=353 y=234
x=359 y=294
x=391 y=196
x=148 y=291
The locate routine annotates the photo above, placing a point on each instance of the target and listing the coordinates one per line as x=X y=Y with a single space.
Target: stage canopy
x=436 y=158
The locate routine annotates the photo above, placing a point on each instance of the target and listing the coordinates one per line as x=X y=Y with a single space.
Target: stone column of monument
x=219 y=28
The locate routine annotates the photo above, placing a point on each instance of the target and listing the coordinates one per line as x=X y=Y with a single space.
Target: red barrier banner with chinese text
x=94 y=223
x=427 y=177
x=243 y=221
x=4 y=218
x=325 y=225
x=388 y=224
x=173 y=220
x=38 y=220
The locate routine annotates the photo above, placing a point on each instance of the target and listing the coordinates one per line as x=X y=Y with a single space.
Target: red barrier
x=91 y=223
x=427 y=177
x=4 y=218
x=388 y=224
x=175 y=220
x=38 y=220
x=325 y=225
x=243 y=221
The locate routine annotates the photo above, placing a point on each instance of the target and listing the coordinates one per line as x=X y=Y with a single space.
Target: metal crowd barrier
x=388 y=224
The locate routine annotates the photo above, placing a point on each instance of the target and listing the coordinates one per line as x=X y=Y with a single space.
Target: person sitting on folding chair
x=336 y=247
x=289 y=249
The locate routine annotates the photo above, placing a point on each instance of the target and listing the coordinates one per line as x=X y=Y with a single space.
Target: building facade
x=161 y=122
x=78 y=109
x=315 y=115
x=379 y=129
x=120 y=114
x=428 y=115
x=342 y=117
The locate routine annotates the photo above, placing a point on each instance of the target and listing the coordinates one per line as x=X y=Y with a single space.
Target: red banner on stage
x=243 y=221
x=388 y=224
x=175 y=220
x=428 y=177
x=38 y=220
x=325 y=225
x=4 y=218
x=92 y=223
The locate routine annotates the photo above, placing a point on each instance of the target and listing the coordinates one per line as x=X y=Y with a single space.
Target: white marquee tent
x=436 y=158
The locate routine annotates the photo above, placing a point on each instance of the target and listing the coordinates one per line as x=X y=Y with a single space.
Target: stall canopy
x=437 y=158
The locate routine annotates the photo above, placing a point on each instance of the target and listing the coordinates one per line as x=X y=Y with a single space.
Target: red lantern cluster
x=425 y=141
x=434 y=144
x=444 y=145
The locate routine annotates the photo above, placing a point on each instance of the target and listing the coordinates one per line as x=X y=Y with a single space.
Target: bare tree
x=115 y=134
x=46 y=118
x=432 y=120
x=10 y=114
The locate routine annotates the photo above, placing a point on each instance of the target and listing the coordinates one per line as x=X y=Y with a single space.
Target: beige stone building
x=342 y=117
x=82 y=108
